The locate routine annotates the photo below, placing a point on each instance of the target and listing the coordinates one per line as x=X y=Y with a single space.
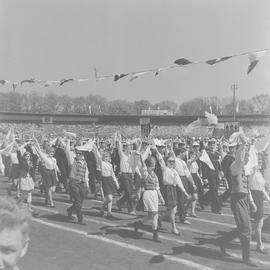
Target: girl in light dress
x=109 y=181
x=151 y=195
x=194 y=170
x=49 y=172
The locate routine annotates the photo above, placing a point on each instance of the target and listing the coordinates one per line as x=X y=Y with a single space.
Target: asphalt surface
x=57 y=243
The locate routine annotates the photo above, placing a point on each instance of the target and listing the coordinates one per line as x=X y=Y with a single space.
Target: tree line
x=52 y=103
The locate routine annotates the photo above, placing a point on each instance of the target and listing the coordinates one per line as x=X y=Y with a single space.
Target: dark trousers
x=226 y=195
x=127 y=186
x=211 y=196
x=199 y=186
x=77 y=194
x=240 y=209
x=63 y=177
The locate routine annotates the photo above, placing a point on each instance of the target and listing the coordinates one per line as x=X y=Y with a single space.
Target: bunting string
x=253 y=58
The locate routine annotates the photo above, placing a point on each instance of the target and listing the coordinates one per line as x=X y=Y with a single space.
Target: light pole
x=234 y=87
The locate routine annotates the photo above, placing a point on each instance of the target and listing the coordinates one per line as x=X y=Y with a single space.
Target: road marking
x=211 y=221
x=160 y=236
x=125 y=245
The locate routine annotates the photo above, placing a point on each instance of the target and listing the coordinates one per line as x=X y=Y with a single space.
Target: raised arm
x=238 y=163
x=97 y=155
x=7 y=150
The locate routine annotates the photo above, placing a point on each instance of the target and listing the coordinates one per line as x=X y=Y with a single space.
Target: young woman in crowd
x=194 y=170
x=259 y=194
x=49 y=172
x=109 y=181
x=27 y=172
x=151 y=195
x=171 y=179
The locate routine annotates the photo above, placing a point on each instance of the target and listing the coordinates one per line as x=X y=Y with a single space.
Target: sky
x=56 y=39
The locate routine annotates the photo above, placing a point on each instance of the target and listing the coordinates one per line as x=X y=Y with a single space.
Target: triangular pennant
x=118 y=77
x=136 y=75
x=65 y=81
x=33 y=80
x=217 y=60
x=182 y=62
x=254 y=59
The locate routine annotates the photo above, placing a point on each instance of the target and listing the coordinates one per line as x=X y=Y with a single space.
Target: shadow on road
x=123 y=233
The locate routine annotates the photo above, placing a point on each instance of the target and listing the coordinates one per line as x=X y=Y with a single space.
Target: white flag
x=206 y=159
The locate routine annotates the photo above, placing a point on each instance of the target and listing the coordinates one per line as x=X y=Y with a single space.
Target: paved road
x=112 y=244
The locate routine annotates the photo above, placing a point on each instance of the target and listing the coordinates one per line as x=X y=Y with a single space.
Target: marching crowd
x=142 y=174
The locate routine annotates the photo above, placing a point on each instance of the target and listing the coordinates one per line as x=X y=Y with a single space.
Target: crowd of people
x=183 y=174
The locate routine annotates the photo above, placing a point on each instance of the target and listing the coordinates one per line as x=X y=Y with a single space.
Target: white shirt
x=256 y=181
x=171 y=177
x=107 y=170
x=13 y=158
x=194 y=168
x=49 y=162
x=126 y=162
x=181 y=167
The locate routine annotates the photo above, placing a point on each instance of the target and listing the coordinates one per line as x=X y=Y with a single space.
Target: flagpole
x=234 y=87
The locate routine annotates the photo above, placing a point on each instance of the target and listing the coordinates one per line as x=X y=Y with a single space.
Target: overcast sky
x=56 y=39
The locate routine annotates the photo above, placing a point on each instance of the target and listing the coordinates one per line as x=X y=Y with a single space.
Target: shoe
x=133 y=213
x=193 y=215
x=102 y=212
x=136 y=225
x=81 y=222
x=176 y=233
x=250 y=263
x=262 y=251
x=223 y=252
x=109 y=215
x=69 y=213
x=52 y=206
x=186 y=222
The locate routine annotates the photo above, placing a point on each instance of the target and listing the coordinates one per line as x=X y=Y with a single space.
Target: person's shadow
x=125 y=232
x=197 y=249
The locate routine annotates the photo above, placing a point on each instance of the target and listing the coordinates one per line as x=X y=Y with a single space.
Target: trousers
x=77 y=193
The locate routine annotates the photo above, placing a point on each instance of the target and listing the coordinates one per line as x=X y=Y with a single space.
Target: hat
x=195 y=144
x=159 y=143
x=212 y=141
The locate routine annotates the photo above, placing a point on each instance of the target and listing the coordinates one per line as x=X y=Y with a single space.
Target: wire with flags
x=253 y=57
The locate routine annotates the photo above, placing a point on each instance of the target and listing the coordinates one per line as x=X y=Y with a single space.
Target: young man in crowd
x=14 y=233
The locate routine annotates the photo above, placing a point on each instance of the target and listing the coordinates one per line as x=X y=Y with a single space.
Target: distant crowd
x=181 y=173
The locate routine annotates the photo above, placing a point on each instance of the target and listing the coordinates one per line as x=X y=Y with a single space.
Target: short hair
x=13 y=215
x=150 y=162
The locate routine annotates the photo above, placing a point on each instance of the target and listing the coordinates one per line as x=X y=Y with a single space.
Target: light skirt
x=150 y=200
x=26 y=183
